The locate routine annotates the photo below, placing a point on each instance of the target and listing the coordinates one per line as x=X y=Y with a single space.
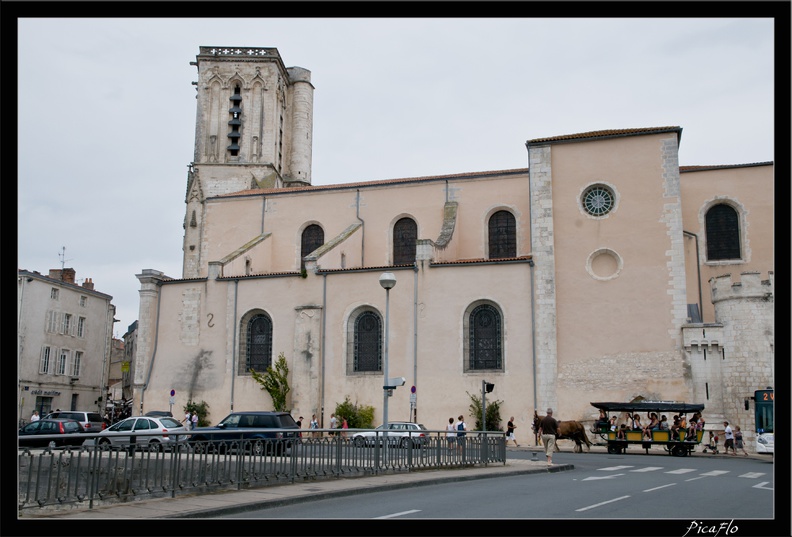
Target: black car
x=248 y=431
x=158 y=414
x=70 y=431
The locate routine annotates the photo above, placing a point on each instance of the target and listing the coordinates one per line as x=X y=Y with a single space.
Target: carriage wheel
x=612 y=449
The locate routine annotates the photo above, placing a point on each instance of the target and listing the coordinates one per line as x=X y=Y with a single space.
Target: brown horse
x=572 y=430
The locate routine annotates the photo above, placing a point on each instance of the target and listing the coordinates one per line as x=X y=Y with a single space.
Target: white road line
x=394 y=515
x=661 y=487
x=693 y=478
x=602 y=503
x=592 y=478
x=752 y=475
x=681 y=471
x=614 y=468
x=715 y=472
x=762 y=485
x=648 y=469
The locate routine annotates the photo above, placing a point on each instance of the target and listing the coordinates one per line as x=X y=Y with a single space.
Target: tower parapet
x=750 y=285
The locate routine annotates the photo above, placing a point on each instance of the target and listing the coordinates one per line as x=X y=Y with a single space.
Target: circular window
x=598 y=200
x=604 y=264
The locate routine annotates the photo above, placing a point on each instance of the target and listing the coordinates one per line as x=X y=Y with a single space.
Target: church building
x=602 y=271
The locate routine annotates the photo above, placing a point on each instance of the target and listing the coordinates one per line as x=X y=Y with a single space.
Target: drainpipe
x=154 y=351
x=324 y=323
x=362 y=236
x=234 y=346
x=698 y=268
x=415 y=339
x=263 y=212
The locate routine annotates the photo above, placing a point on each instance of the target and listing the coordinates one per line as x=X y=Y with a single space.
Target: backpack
x=461 y=427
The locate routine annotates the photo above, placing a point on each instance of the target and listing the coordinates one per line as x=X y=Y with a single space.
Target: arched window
x=723 y=233
x=258 y=355
x=312 y=238
x=484 y=334
x=368 y=342
x=502 y=235
x=405 y=233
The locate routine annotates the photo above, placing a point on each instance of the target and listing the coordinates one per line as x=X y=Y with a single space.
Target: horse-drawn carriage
x=678 y=443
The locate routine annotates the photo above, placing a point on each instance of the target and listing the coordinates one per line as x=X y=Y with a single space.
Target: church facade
x=604 y=271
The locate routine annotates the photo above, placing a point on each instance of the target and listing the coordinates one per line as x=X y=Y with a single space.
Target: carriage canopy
x=651 y=406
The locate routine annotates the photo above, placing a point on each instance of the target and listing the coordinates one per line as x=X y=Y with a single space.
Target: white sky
x=106 y=111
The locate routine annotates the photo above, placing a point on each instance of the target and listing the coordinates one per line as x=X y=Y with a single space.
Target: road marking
x=693 y=478
x=715 y=472
x=752 y=475
x=681 y=471
x=601 y=503
x=613 y=468
x=603 y=477
x=394 y=515
x=648 y=469
x=762 y=485
x=660 y=487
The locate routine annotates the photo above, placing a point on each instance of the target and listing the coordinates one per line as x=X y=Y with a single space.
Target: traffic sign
x=412 y=390
x=173 y=392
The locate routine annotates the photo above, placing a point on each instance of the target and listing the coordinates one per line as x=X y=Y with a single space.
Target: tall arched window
x=723 y=233
x=484 y=333
x=405 y=233
x=502 y=235
x=258 y=355
x=368 y=342
x=312 y=238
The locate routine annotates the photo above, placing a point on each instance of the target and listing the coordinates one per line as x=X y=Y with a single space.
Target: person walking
x=344 y=427
x=738 y=441
x=510 y=432
x=728 y=436
x=35 y=416
x=333 y=424
x=314 y=425
x=461 y=428
x=548 y=429
x=194 y=420
x=451 y=434
x=299 y=424
x=187 y=421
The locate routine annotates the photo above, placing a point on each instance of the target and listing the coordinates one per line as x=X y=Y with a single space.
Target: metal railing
x=96 y=474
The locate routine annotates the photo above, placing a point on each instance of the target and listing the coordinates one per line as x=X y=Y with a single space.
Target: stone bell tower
x=253 y=129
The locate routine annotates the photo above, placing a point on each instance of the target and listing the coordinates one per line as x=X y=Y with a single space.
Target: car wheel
x=257 y=446
x=155 y=446
x=405 y=443
x=104 y=443
x=198 y=446
x=359 y=441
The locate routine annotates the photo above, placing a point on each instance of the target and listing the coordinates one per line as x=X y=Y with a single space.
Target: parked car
x=400 y=433
x=122 y=434
x=250 y=426
x=765 y=443
x=92 y=422
x=31 y=435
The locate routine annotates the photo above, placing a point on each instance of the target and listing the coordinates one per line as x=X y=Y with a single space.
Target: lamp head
x=387 y=280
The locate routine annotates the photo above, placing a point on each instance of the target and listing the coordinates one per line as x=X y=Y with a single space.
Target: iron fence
x=97 y=474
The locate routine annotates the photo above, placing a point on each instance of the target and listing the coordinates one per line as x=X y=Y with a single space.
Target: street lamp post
x=387 y=281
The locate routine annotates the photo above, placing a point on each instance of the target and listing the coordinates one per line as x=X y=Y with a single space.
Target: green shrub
x=357 y=416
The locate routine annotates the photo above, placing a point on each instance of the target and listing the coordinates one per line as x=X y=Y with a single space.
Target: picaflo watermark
x=713 y=530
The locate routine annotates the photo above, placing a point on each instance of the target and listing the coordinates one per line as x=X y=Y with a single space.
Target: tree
x=276 y=382
x=357 y=416
x=202 y=409
x=493 y=413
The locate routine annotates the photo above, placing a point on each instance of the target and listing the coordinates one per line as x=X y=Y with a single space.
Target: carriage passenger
x=621 y=434
x=636 y=422
x=652 y=426
x=692 y=428
x=663 y=425
x=613 y=423
x=675 y=427
x=602 y=421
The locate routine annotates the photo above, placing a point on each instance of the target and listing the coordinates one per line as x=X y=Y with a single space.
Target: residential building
x=64 y=332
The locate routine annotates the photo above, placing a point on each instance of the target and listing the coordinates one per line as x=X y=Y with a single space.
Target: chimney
x=68 y=275
x=88 y=283
x=55 y=274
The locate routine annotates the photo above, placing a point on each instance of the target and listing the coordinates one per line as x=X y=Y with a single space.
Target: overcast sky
x=106 y=120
